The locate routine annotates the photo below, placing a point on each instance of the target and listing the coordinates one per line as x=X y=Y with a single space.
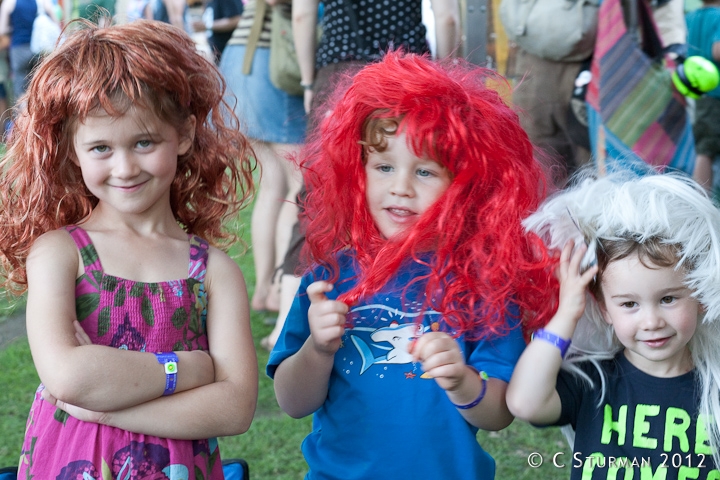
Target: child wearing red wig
x=405 y=332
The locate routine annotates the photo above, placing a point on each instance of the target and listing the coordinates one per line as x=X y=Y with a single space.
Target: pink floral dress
x=152 y=317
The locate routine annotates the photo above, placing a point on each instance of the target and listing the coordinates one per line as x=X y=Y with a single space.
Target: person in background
x=355 y=33
x=543 y=96
x=16 y=22
x=170 y=11
x=225 y=17
x=275 y=121
x=704 y=40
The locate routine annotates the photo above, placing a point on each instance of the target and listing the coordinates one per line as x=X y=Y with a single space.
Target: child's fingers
x=566 y=252
x=50 y=398
x=589 y=274
x=430 y=344
x=576 y=259
x=80 y=335
x=316 y=291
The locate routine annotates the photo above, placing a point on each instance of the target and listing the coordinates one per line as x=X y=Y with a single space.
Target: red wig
x=484 y=260
x=144 y=63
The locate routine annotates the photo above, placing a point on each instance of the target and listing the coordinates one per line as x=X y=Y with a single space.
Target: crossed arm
x=531 y=394
x=124 y=388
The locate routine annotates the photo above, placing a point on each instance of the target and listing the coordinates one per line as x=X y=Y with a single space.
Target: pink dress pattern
x=146 y=317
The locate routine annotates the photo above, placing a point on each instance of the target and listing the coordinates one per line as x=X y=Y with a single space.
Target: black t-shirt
x=644 y=423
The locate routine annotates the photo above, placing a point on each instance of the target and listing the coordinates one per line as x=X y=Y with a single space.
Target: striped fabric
x=638 y=113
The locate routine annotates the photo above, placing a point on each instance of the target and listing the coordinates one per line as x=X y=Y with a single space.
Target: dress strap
x=198 y=258
x=89 y=255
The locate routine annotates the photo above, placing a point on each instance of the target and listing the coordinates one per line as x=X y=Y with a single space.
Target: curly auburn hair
x=484 y=260
x=144 y=64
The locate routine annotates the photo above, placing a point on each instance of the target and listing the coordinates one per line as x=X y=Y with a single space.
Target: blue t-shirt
x=704 y=30
x=381 y=418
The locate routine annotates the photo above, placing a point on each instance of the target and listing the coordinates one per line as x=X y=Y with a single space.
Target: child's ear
x=187 y=135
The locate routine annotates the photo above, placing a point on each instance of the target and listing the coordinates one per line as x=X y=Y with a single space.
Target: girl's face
x=129 y=162
x=653 y=314
x=401 y=186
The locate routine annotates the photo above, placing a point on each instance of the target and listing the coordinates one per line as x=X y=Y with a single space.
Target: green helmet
x=695 y=77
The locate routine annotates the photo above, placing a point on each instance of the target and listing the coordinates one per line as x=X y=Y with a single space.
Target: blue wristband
x=483 y=378
x=170 y=362
x=562 y=343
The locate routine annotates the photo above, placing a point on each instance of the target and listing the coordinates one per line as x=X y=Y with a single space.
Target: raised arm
x=304 y=24
x=224 y=407
x=95 y=377
x=531 y=394
x=447 y=27
x=301 y=380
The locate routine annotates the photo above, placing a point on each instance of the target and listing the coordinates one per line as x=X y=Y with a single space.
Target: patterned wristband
x=561 y=343
x=170 y=362
x=483 y=378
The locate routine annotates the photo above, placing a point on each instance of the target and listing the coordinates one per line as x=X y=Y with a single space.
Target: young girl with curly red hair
x=123 y=163
x=404 y=334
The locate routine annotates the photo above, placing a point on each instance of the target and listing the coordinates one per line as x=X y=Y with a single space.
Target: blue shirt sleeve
x=498 y=355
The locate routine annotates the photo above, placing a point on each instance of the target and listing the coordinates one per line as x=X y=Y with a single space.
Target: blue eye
x=144 y=143
x=385 y=168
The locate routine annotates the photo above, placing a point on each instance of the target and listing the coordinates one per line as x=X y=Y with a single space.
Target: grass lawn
x=272 y=446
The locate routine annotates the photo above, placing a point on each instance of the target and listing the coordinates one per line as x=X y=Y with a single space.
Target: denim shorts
x=266 y=113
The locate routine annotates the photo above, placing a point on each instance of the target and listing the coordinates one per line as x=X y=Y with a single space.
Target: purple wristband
x=561 y=343
x=483 y=378
x=169 y=361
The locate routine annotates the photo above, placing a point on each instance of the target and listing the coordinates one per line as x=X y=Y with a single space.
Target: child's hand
x=441 y=359
x=80 y=334
x=75 y=412
x=326 y=318
x=573 y=283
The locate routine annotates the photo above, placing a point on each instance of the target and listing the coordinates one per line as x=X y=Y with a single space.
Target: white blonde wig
x=671 y=208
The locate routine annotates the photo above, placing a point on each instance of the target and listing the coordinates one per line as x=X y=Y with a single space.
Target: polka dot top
x=364 y=29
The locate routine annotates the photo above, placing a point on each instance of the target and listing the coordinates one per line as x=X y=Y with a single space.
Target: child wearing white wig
x=631 y=360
